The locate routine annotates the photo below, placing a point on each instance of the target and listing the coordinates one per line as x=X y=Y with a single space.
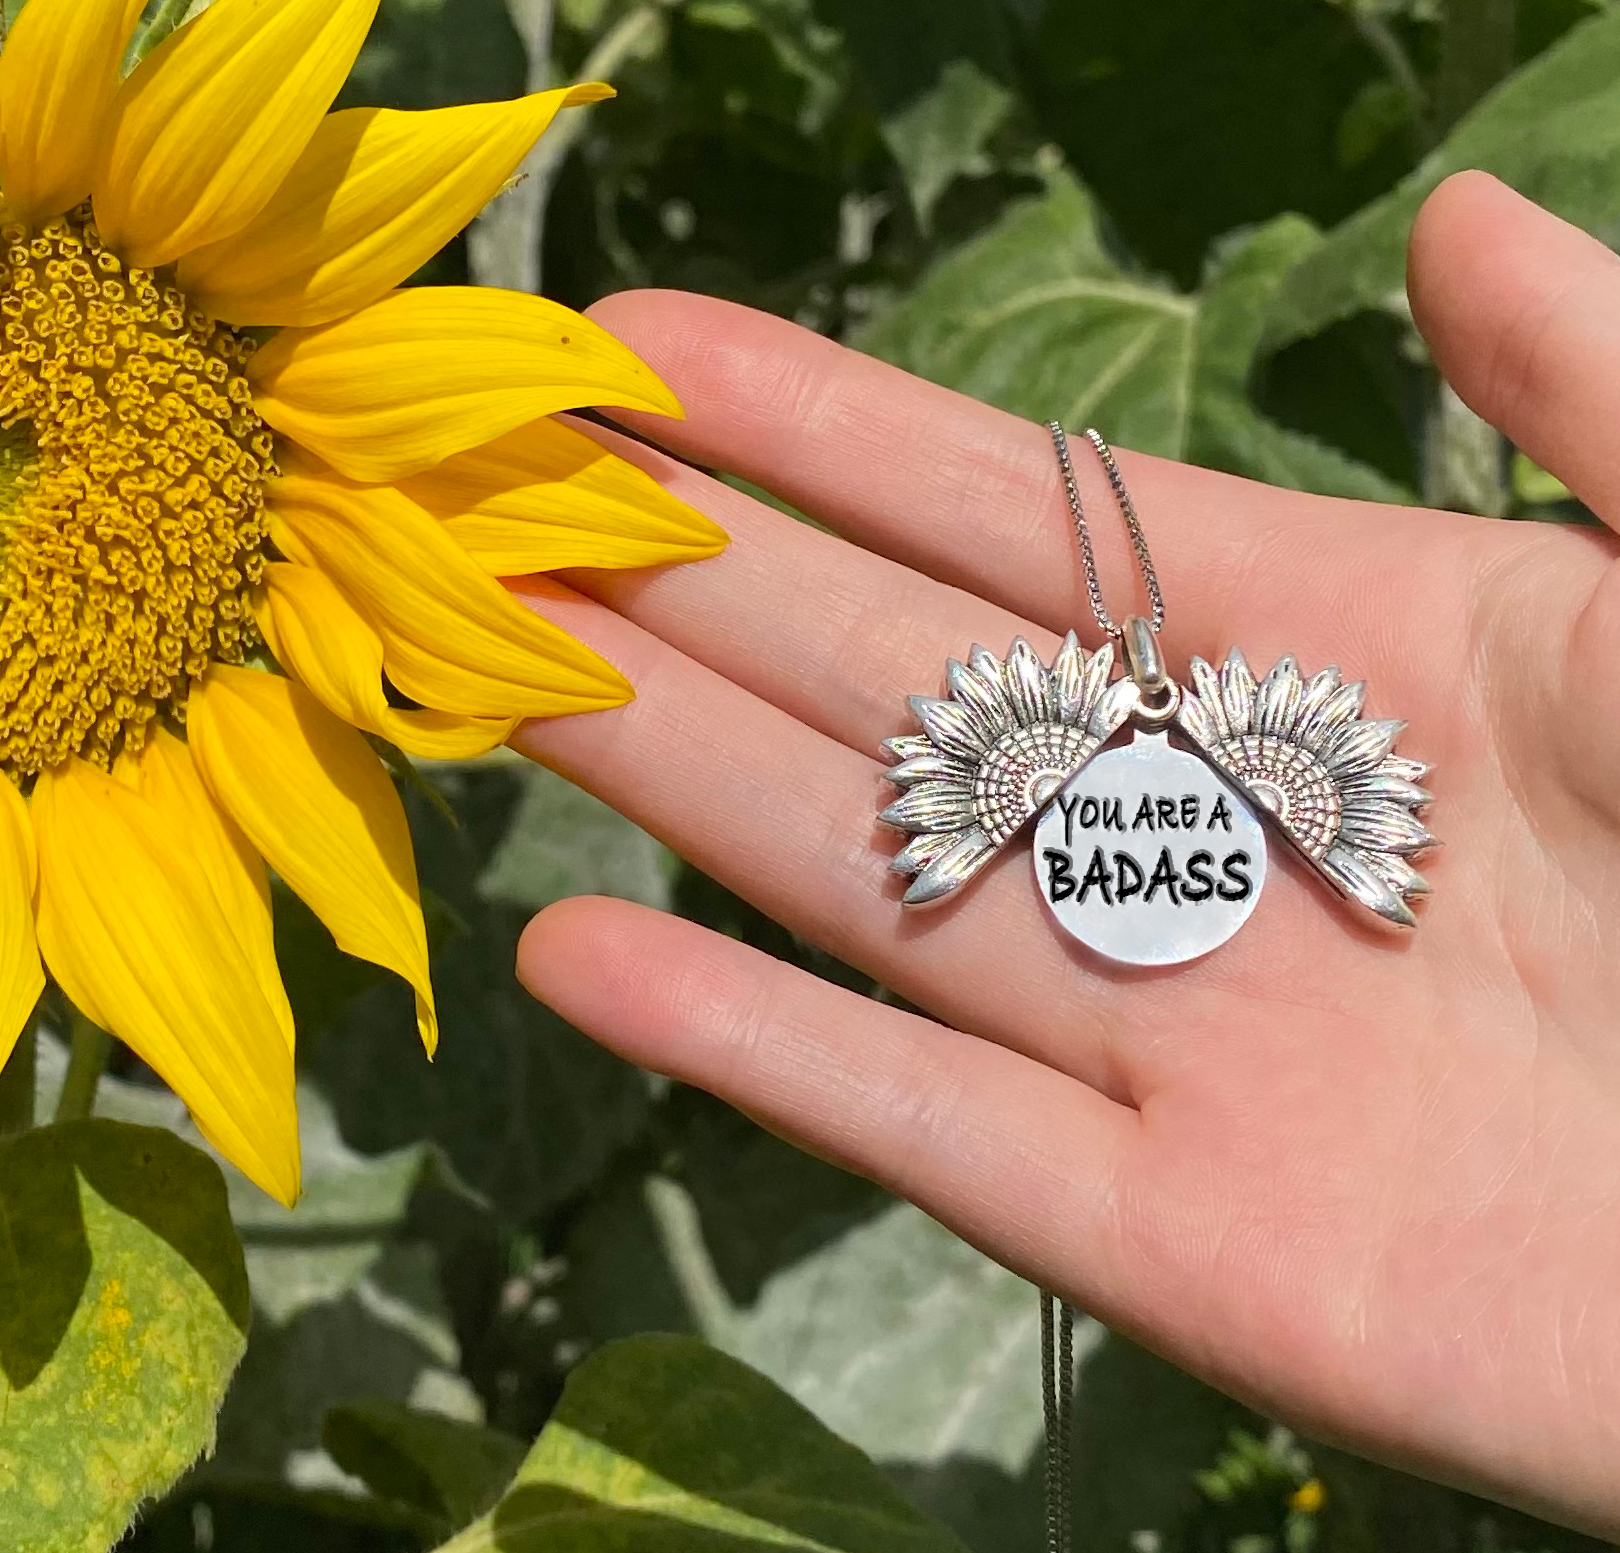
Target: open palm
x=1367 y=1182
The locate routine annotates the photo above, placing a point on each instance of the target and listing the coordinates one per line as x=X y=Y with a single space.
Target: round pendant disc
x=1148 y=857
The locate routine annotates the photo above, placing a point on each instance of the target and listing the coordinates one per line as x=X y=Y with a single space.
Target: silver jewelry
x=1140 y=854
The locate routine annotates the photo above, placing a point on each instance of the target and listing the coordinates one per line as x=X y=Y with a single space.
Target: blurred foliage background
x=1183 y=220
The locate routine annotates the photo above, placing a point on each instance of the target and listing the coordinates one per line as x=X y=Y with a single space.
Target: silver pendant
x=1328 y=780
x=992 y=753
x=1011 y=737
x=1148 y=856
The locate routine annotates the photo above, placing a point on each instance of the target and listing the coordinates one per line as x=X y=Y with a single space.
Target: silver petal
x=1068 y=678
x=933 y=806
x=982 y=697
x=1207 y=687
x=1114 y=705
x=1277 y=701
x=1237 y=693
x=1400 y=766
x=932 y=767
x=1349 y=870
x=951 y=869
x=1397 y=873
x=1382 y=784
x=1196 y=721
x=950 y=726
x=920 y=851
x=906 y=746
x=984 y=663
x=1340 y=709
x=1318 y=692
x=1384 y=827
x=1099 y=671
x=1029 y=686
x=1359 y=747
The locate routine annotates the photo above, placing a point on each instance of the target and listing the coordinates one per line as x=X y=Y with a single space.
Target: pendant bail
x=1158 y=697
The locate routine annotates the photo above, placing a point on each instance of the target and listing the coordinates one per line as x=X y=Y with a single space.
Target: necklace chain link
x=1057 y=1396
x=1082 y=530
x=1057 y=1316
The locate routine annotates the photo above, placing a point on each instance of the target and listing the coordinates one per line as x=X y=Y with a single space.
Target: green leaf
x=1039 y=317
x=561 y=841
x=123 y=1312
x=935 y=75
x=1189 y=119
x=449 y=1470
x=526 y=1109
x=1552 y=130
x=389 y=1339
x=662 y=1445
x=353 y=1206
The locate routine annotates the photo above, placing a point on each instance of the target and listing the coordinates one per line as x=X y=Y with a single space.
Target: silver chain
x=1057 y=1317
x=1082 y=531
x=1057 y=1396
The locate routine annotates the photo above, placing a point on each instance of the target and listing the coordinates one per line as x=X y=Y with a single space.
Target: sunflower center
x=132 y=475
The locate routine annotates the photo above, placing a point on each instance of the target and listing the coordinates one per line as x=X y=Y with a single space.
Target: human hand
x=1369 y=1184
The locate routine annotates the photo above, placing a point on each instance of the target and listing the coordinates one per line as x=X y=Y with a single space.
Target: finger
x=833 y=634
x=785 y=817
x=1522 y=312
x=971 y=495
x=995 y=1146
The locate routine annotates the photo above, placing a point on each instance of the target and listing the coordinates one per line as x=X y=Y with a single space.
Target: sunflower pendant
x=1148 y=853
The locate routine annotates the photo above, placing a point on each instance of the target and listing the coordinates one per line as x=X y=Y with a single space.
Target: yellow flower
x=173 y=502
x=1308 y=1498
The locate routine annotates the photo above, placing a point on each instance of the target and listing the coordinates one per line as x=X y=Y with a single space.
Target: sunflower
x=993 y=753
x=1329 y=778
x=223 y=567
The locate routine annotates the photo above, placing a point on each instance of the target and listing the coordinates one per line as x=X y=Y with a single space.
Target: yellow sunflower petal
x=319 y=636
x=375 y=195
x=544 y=497
x=141 y=925
x=58 y=79
x=207 y=128
x=168 y=775
x=21 y=979
x=330 y=823
x=452 y=636
x=432 y=371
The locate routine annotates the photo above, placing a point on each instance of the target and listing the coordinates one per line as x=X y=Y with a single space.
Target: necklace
x=1152 y=853
x=1148 y=852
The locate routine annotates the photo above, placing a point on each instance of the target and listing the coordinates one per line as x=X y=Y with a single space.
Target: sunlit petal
x=211 y=123
x=21 y=979
x=153 y=915
x=58 y=79
x=453 y=638
x=545 y=497
x=374 y=196
x=432 y=371
x=329 y=821
x=319 y=636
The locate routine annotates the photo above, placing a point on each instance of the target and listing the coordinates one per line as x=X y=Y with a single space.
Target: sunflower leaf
x=1552 y=130
x=665 y=1445
x=123 y=1313
x=1038 y=316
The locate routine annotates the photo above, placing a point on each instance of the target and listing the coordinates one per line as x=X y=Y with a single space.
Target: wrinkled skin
x=1368 y=1182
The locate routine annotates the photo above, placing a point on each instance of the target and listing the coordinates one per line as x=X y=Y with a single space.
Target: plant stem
x=1382 y=39
x=87 y=1058
x=504 y=246
x=17 y=1085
